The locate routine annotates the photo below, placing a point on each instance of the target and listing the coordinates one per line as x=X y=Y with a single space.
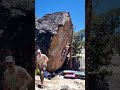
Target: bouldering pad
x=70 y=76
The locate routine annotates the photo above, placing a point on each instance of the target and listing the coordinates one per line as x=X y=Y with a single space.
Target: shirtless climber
x=41 y=64
x=66 y=49
x=15 y=77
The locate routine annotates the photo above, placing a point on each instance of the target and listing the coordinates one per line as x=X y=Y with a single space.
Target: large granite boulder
x=52 y=33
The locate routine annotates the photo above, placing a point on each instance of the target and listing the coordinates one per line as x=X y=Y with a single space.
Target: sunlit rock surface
x=52 y=33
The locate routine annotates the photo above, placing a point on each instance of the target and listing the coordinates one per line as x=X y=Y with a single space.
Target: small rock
x=64 y=87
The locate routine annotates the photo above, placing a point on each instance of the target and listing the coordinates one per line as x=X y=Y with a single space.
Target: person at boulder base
x=41 y=64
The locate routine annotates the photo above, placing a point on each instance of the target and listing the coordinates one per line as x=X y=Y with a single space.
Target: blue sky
x=76 y=8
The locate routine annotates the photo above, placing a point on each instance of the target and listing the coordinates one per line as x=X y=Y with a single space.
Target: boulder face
x=52 y=33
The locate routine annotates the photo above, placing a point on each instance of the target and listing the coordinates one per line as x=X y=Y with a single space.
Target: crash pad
x=47 y=74
x=69 y=72
x=69 y=76
x=80 y=73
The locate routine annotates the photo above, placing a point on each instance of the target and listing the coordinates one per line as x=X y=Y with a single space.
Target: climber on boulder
x=66 y=49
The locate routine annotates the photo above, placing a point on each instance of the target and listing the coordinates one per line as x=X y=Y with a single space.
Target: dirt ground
x=60 y=83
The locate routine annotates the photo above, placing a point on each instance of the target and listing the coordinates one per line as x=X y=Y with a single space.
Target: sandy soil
x=60 y=83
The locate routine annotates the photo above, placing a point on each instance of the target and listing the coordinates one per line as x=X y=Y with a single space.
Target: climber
x=15 y=77
x=69 y=53
x=41 y=64
x=66 y=49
